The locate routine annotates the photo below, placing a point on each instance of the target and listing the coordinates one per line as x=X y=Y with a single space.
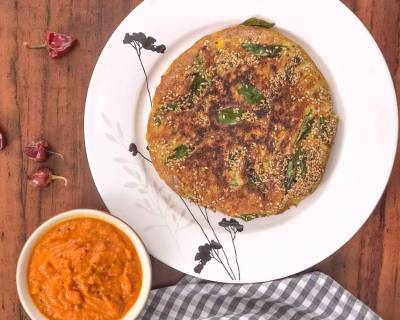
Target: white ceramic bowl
x=21 y=276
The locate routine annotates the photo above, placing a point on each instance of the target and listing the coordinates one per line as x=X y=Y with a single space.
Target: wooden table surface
x=43 y=98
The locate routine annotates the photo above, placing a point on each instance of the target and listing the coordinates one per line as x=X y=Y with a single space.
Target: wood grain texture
x=43 y=98
x=369 y=264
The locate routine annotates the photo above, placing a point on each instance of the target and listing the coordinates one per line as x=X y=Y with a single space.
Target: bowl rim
x=21 y=272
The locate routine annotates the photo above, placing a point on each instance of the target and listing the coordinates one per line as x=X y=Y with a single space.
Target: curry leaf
x=198 y=81
x=256 y=22
x=171 y=106
x=157 y=120
x=322 y=125
x=235 y=184
x=296 y=163
x=305 y=127
x=233 y=156
x=200 y=78
x=251 y=94
x=248 y=217
x=254 y=179
x=230 y=116
x=263 y=50
x=179 y=152
x=303 y=167
x=291 y=172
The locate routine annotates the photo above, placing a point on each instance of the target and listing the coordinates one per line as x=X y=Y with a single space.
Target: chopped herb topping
x=200 y=78
x=198 y=81
x=179 y=152
x=254 y=179
x=233 y=157
x=263 y=50
x=172 y=106
x=157 y=119
x=251 y=94
x=298 y=162
x=305 y=127
x=289 y=73
x=230 y=116
x=236 y=179
x=303 y=166
x=234 y=170
x=322 y=125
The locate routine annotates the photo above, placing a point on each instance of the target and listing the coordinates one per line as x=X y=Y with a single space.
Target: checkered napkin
x=308 y=296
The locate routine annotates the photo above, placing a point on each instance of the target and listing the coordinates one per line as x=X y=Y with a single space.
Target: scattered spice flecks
x=39 y=151
x=42 y=177
x=57 y=44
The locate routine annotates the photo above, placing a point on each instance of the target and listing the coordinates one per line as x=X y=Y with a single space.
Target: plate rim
x=146 y=3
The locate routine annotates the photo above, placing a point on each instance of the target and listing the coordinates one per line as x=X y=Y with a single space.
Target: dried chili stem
x=56 y=153
x=54 y=177
x=38 y=46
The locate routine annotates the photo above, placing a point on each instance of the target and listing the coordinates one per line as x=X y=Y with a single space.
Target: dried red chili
x=3 y=142
x=57 y=44
x=42 y=177
x=39 y=151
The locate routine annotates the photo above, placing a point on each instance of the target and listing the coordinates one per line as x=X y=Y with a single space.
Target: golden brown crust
x=242 y=122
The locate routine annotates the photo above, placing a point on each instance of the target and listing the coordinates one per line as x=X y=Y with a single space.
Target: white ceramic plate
x=116 y=114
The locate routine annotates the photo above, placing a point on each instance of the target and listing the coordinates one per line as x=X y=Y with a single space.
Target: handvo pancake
x=242 y=122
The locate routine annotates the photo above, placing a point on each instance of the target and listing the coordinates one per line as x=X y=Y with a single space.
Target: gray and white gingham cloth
x=308 y=296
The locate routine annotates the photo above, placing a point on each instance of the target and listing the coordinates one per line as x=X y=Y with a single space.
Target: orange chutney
x=84 y=269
